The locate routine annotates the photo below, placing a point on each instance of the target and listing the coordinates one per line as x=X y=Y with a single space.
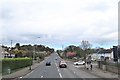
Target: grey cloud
x=48 y=22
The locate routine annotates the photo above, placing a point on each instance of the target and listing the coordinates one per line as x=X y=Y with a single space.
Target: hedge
x=15 y=63
x=111 y=64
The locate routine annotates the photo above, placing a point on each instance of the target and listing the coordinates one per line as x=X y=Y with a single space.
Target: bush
x=15 y=63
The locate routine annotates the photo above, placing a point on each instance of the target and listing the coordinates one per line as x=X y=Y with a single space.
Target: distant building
x=1 y=55
x=105 y=54
x=70 y=54
x=5 y=54
x=102 y=54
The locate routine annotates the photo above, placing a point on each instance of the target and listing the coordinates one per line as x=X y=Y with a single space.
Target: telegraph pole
x=11 y=47
x=11 y=43
x=62 y=47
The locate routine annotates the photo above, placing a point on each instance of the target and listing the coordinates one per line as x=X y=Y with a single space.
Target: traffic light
x=115 y=53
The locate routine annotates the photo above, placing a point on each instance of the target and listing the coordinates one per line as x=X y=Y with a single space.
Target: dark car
x=48 y=63
x=62 y=64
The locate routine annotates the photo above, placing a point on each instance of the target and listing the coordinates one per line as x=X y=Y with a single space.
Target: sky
x=59 y=22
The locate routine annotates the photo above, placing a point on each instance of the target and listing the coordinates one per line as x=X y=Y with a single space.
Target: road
x=54 y=71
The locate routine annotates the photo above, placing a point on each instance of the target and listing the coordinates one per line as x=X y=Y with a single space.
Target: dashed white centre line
x=74 y=72
x=58 y=70
x=41 y=76
x=60 y=75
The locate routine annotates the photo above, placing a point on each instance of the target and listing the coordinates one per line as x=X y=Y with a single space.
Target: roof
x=71 y=54
x=104 y=52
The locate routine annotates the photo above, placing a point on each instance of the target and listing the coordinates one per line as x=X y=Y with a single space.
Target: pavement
x=100 y=73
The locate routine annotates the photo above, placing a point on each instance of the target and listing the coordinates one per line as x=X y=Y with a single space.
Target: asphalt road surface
x=54 y=71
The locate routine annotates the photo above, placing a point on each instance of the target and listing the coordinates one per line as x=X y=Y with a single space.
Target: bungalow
x=105 y=54
x=70 y=54
x=102 y=54
x=5 y=54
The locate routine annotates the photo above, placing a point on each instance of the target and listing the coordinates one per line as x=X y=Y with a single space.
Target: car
x=62 y=64
x=79 y=63
x=48 y=63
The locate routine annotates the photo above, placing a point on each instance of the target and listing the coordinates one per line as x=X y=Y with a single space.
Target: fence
x=112 y=67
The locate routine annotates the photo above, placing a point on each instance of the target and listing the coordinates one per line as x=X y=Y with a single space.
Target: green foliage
x=112 y=64
x=41 y=56
x=70 y=48
x=80 y=53
x=28 y=50
x=59 y=51
x=15 y=63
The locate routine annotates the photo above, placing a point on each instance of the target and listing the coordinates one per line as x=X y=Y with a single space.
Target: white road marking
x=60 y=75
x=58 y=70
x=20 y=77
x=41 y=76
x=55 y=63
x=78 y=66
x=29 y=73
x=74 y=72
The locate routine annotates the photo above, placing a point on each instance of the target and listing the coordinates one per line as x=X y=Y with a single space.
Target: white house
x=4 y=53
x=102 y=54
x=1 y=52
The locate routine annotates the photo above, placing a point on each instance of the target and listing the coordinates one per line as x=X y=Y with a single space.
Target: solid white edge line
x=29 y=73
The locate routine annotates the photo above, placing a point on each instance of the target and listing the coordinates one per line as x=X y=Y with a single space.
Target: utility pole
x=33 y=54
x=11 y=43
x=62 y=47
x=11 y=47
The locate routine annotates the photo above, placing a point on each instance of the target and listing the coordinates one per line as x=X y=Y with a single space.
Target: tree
x=85 y=45
x=80 y=53
x=70 y=48
x=17 y=46
x=18 y=53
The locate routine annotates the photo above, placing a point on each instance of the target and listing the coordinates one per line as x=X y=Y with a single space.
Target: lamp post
x=35 y=45
x=33 y=55
x=62 y=47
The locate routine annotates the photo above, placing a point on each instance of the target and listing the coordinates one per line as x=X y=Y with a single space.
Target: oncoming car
x=62 y=64
x=79 y=63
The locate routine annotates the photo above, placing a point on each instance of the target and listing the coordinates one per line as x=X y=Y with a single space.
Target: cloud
x=59 y=22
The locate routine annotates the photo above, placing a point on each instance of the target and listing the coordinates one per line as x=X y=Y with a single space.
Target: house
x=105 y=54
x=1 y=51
x=70 y=54
x=5 y=54
x=102 y=54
